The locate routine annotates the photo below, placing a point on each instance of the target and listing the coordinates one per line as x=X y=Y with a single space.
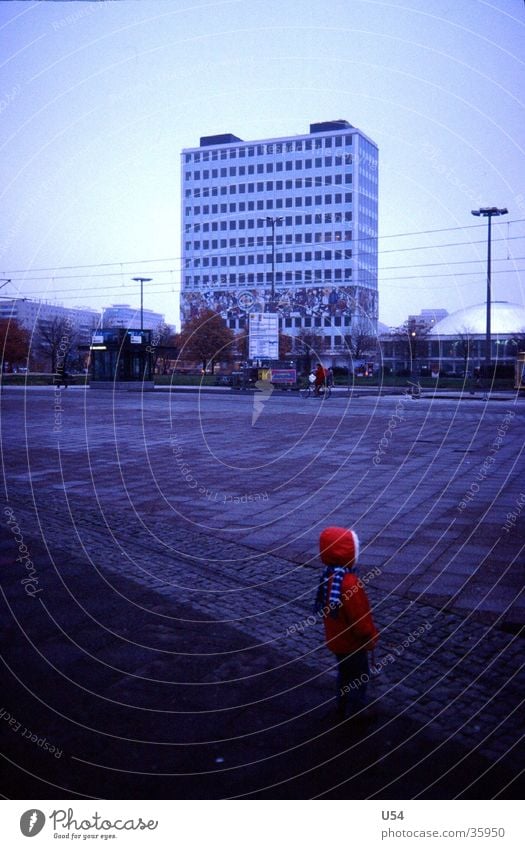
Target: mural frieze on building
x=322 y=302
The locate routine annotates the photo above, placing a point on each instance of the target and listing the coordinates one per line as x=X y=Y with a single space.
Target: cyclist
x=320 y=378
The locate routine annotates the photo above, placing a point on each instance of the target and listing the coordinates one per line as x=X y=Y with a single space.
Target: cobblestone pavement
x=169 y=645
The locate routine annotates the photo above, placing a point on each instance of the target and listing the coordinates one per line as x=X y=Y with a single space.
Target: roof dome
x=505 y=318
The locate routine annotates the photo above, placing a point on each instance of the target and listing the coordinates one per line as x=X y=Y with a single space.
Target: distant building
x=464 y=332
x=122 y=315
x=457 y=341
x=30 y=313
x=295 y=214
x=427 y=318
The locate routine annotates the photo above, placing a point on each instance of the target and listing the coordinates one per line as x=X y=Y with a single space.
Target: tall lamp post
x=142 y=280
x=272 y=222
x=488 y=212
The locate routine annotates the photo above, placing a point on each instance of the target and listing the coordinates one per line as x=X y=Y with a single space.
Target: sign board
x=264 y=335
x=97 y=339
x=283 y=375
x=135 y=340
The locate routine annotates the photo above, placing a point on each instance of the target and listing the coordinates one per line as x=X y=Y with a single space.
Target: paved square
x=163 y=640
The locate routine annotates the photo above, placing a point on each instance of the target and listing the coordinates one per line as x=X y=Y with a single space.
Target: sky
x=97 y=100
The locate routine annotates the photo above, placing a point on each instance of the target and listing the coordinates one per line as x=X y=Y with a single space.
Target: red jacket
x=320 y=375
x=353 y=628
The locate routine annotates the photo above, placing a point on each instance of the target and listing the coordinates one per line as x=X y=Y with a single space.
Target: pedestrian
x=477 y=378
x=350 y=632
x=61 y=378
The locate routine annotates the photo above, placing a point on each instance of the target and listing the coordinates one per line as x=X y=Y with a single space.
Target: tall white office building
x=286 y=224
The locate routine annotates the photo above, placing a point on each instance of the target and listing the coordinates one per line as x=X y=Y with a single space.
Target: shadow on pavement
x=141 y=698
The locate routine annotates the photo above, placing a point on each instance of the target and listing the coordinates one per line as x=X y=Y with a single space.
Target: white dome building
x=458 y=341
x=506 y=320
x=456 y=344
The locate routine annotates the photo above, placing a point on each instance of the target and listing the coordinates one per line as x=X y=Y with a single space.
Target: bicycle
x=414 y=389
x=311 y=392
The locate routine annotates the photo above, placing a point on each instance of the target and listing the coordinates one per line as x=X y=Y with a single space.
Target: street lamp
x=272 y=222
x=141 y=280
x=488 y=212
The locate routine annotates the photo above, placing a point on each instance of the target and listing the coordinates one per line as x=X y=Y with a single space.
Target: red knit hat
x=339 y=547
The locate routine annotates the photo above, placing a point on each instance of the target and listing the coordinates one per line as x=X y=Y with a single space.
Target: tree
x=14 y=344
x=285 y=345
x=465 y=338
x=58 y=340
x=518 y=340
x=361 y=341
x=165 y=347
x=206 y=339
x=241 y=344
x=309 y=345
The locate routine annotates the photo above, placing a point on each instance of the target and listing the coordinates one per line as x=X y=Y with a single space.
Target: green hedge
x=37 y=379
x=185 y=380
x=425 y=382
x=31 y=379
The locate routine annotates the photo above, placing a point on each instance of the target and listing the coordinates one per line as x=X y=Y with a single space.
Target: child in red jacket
x=349 y=628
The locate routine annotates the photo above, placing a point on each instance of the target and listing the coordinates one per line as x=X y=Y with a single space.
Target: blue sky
x=98 y=99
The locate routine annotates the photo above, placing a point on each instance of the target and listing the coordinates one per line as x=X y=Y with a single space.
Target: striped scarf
x=332 y=601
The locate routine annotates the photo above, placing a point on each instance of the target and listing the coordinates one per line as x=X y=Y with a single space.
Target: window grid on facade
x=323 y=189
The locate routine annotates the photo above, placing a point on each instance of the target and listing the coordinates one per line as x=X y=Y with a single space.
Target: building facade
x=55 y=332
x=122 y=315
x=286 y=224
x=32 y=314
x=456 y=343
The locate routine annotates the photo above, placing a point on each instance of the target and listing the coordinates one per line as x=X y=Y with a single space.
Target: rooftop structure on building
x=123 y=315
x=431 y=317
x=425 y=320
x=295 y=216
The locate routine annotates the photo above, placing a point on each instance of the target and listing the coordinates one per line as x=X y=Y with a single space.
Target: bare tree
x=164 y=347
x=361 y=341
x=464 y=345
x=309 y=345
x=58 y=341
x=518 y=340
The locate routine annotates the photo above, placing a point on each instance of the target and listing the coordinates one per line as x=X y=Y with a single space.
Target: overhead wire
x=97 y=294
x=308 y=246
x=336 y=245
x=137 y=262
